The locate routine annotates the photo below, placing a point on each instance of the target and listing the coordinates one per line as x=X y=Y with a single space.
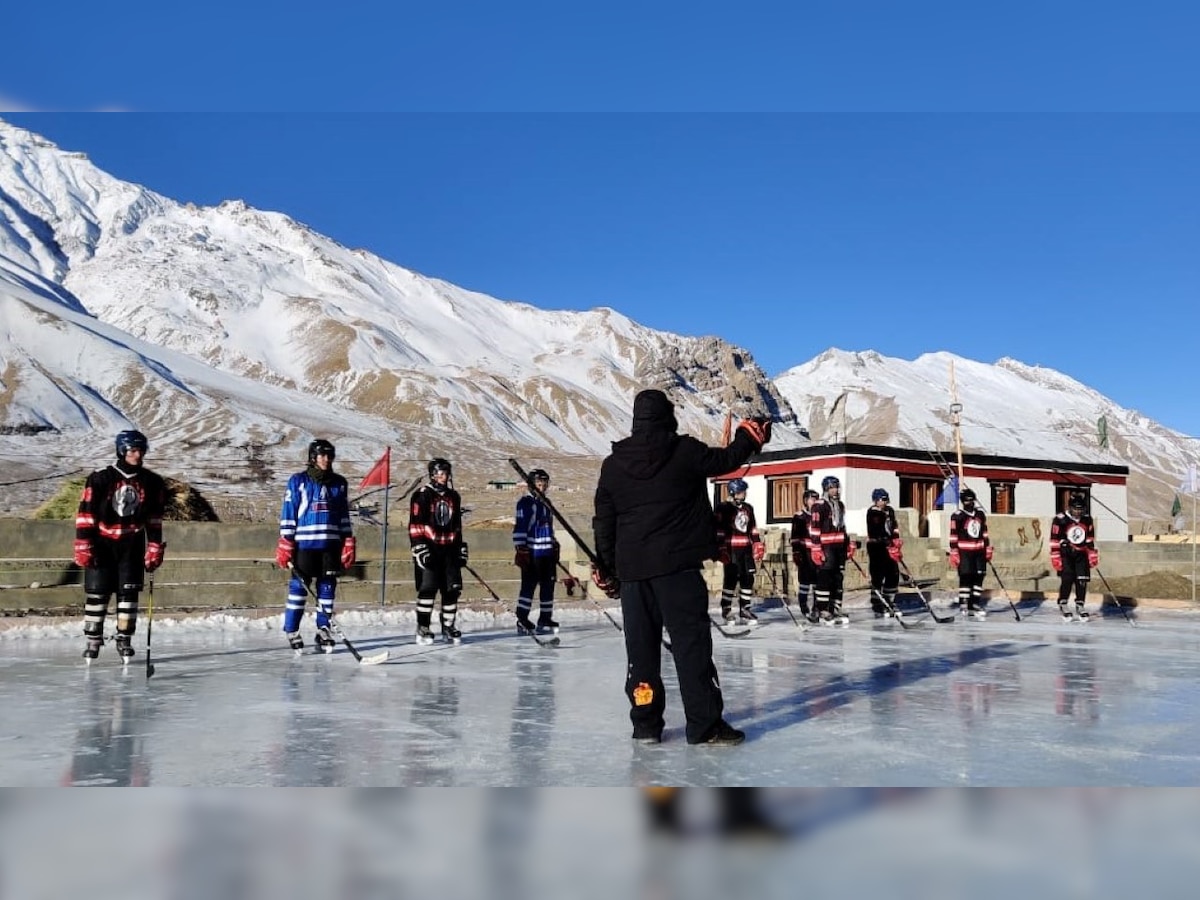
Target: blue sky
x=1068 y=241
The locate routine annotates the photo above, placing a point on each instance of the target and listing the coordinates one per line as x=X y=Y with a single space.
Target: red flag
x=381 y=472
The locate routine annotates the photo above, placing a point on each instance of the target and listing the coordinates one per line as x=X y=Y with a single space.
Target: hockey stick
x=149 y=626
x=1003 y=588
x=795 y=621
x=549 y=642
x=1116 y=599
x=912 y=582
x=583 y=587
x=896 y=614
x=373 y=660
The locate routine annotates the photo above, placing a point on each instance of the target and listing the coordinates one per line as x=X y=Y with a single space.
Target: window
x=921 y=494
x=1004 y=498
x=785 y=498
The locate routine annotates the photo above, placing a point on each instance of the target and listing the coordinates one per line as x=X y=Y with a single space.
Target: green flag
x=1176 y=507
x=1102 y=431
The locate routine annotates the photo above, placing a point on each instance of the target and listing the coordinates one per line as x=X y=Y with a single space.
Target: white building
x=915 y=481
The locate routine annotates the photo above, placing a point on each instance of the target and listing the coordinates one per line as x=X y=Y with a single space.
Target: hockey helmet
x=1076 y=501
x=967 y=496
x=438 y=464
x=539 y=475
x=879 y=494
x=738 y=486
x=131 y=440
x=320 y=447
x=830 y=481
x=810 y=494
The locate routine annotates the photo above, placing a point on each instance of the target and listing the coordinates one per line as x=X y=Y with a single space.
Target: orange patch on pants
x=643 y=694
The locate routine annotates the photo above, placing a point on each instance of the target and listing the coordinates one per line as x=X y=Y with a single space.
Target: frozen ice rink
x=993 y=703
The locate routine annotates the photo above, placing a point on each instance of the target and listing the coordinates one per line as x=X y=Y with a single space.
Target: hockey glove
x=759 y=550
x=607 y=583
x=1093 y=558
x=850 y=548
x=758 y=429
x=1056 y=562
x=955 y=559
x=988 y=552
x=284 y=551
x=349 y=552
x=522 y=559
x=894 y=550
x=154 y=555
x=420 y=552
x=818 y=557
x=464 y=553
x=84 y=556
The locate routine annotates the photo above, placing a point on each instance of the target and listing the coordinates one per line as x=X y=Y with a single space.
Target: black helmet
x=830 y=481
x=1076 y=501
x=967 y=496
x=810 y=493
x=538 y=474
x=318 y=447
x=438 y=464
x=131 y=440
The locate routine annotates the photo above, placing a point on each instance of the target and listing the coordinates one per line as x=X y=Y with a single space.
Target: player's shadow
x=818 y=699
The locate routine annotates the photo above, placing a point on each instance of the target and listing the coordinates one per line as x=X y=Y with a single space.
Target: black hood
x=652 y=411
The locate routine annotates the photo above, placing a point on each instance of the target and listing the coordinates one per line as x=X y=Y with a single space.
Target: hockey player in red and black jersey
x=438 y=550
x=829 y=547
x=739 y=548
x=970 y=552
x=883 y=554
x=316 y=542
x=118 y=539
x=806 y=574
x=1073 y=554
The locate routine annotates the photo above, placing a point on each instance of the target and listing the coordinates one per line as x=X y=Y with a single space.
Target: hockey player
x=118 y=539
x=1073 y=554
x=829 y=548
x=805 y=573
x=883 y=554
x=438 y=550
x=315 y=541
x=536 y=555
x=970 y=552
x=739 y=548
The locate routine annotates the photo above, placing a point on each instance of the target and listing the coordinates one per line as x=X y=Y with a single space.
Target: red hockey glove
x=894 y=550
x=759 y=550
x=607 y=583
x=955 y=559
x=818 y=557
x=988 y=552
x=1056 y=562
x=464 y=553
x=349 y=552
x=154 y=555
x=1093 y=558
x=84 y=556
x=420 y=552
x=850 y=548
x=284 y=551
x=758 y=429
x=522 y=559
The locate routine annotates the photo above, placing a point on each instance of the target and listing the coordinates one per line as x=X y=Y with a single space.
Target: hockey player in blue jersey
x=536 y=555
x=315 y=541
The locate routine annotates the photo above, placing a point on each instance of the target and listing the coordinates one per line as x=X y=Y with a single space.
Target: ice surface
x=992 y=703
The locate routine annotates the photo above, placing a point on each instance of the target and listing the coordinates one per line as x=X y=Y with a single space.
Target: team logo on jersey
x=442 y=512
x=126 y=501
x=741 y=521
x=1076 y=534
x=974 y=528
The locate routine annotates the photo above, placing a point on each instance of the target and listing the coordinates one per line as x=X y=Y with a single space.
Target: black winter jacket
x=652 y=512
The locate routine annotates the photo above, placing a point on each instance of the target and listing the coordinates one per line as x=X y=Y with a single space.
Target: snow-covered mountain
x=1008 y=408
x=232 y=335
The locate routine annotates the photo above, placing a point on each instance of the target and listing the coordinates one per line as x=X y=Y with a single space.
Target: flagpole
x=383 y=575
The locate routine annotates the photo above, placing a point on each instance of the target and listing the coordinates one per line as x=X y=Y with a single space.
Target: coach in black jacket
x=654 y=529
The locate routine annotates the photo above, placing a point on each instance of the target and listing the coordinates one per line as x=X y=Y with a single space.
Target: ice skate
x=725 y=735
x=727 y=616
x=325 y=640
x=747 y=617
x=546 y=625
x=1081 y=613
x=1067 y=615
x=124 y=648
x=524 y=626
x=976 y=612
x=294 y=640
x=424 y=634
x=92 y=650
x=451 y=635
